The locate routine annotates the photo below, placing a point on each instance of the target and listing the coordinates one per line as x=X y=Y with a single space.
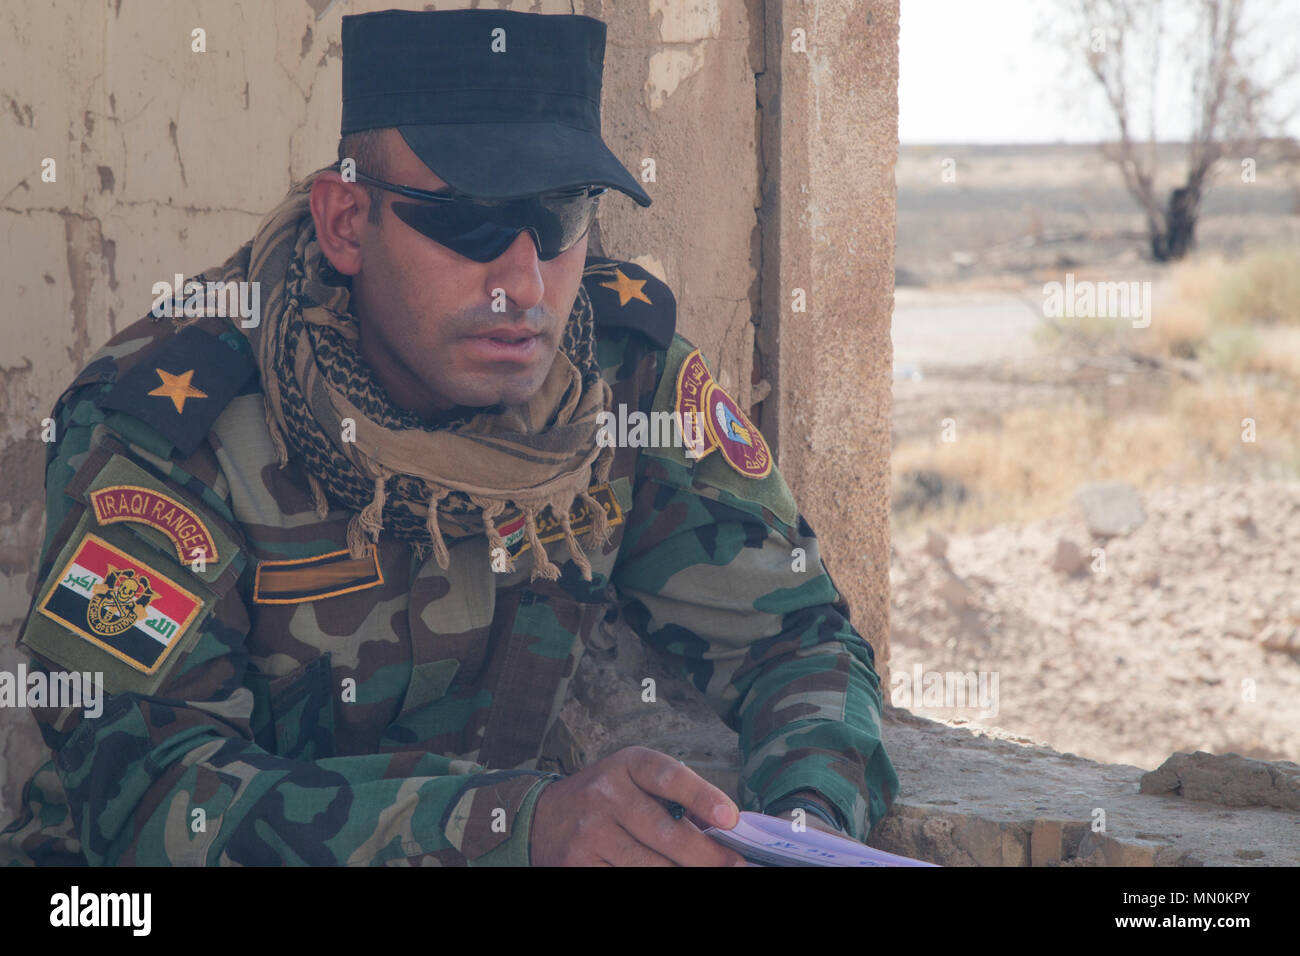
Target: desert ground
x=1181 y=629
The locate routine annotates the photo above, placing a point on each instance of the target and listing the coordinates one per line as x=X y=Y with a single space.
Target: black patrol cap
x=499 y=104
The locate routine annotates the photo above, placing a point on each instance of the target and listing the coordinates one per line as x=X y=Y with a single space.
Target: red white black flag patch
x=120 y=604
x=549 y=528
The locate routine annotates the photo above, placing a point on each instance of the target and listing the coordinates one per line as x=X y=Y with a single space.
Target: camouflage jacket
x=271 y=700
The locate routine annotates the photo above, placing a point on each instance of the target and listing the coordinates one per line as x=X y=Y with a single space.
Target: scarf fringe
x=277 y=437
x=543 y=566
x=318 y=496
x=600 y=532
x=575 y=550
x=372 y=515
x=364 y=526
x=358 y=546
x=440 y=553
x=491 y=509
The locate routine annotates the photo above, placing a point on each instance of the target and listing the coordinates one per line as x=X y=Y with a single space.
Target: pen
x=675 y=810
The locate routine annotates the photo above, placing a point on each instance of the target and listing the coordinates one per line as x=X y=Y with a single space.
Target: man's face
x=423 y=309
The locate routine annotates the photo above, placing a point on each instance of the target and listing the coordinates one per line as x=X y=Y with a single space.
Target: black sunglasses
x=483 y=229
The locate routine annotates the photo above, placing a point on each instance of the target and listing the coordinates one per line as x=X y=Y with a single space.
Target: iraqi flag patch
x=549 y=528
x=121 y=605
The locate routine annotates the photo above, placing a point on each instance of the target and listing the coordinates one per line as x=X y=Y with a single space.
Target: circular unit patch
x=738 y=440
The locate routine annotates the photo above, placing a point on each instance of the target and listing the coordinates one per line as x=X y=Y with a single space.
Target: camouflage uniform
x=322 y=710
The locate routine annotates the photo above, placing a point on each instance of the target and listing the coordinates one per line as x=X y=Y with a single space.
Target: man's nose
x=517 y=272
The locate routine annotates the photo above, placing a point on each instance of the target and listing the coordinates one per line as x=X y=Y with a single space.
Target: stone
x=1045 y=838
x=955 y=593
x=1110 y=508
x=1229 y=780
x=1069 y=557
x=1281 y=638
x=936 y=543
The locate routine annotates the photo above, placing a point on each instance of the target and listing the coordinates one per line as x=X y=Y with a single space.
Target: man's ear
x=339 y=209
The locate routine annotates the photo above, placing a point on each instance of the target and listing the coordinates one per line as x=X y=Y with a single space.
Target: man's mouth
x=506 y=345
x=508 y=336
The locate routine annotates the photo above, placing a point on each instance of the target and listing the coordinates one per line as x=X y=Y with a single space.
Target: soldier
x=344 y=551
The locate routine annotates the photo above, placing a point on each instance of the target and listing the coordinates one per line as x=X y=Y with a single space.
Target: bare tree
x=1125 y=44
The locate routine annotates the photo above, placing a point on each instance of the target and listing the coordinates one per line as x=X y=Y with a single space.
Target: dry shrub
x=1236 y=317
x=1180 y=322
x=1212 y=417
x=1240 y=320
x=1231 y=348
x=1010 y=472
x=1032 y=465
x=1278 y=353
x=1261 y=289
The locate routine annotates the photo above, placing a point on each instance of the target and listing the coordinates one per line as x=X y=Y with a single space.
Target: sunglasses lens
x=482 y=231
x=561 y=221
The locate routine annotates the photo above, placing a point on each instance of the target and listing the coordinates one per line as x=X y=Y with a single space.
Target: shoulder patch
x=716 y=423
x=624 y=294
x=110 y=610
x=173 y=520
x=176 y=520
x=743 y=466
x=182 y=385
x=120 y=604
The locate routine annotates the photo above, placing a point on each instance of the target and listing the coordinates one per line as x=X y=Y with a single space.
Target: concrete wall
x=771 y=164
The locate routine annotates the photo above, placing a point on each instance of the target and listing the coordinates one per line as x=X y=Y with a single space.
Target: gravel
x=1183 y=635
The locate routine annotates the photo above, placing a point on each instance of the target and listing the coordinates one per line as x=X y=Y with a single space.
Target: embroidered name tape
x=177 y=521
x=120 y=604
x=549 y=528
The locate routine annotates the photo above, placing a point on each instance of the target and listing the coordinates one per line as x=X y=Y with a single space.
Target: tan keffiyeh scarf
x=426 y=484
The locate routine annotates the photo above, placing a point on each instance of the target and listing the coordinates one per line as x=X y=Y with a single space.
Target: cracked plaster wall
x=167 y=159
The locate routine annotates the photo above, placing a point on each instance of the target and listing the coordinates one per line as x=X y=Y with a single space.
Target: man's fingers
x=662 y=776
x=647 y=821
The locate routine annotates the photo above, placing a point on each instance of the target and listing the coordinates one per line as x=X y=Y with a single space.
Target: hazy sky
x=976 y=71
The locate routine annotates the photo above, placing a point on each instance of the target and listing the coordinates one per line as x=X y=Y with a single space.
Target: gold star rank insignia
x=656 y=315
x=190 y=363
x=627 y=289
x=177 y=388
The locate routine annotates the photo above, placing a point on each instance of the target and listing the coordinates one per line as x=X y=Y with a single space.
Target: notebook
x=772 y=841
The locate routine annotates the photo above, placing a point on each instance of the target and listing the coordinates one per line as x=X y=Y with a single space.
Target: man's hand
x=609 y=814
